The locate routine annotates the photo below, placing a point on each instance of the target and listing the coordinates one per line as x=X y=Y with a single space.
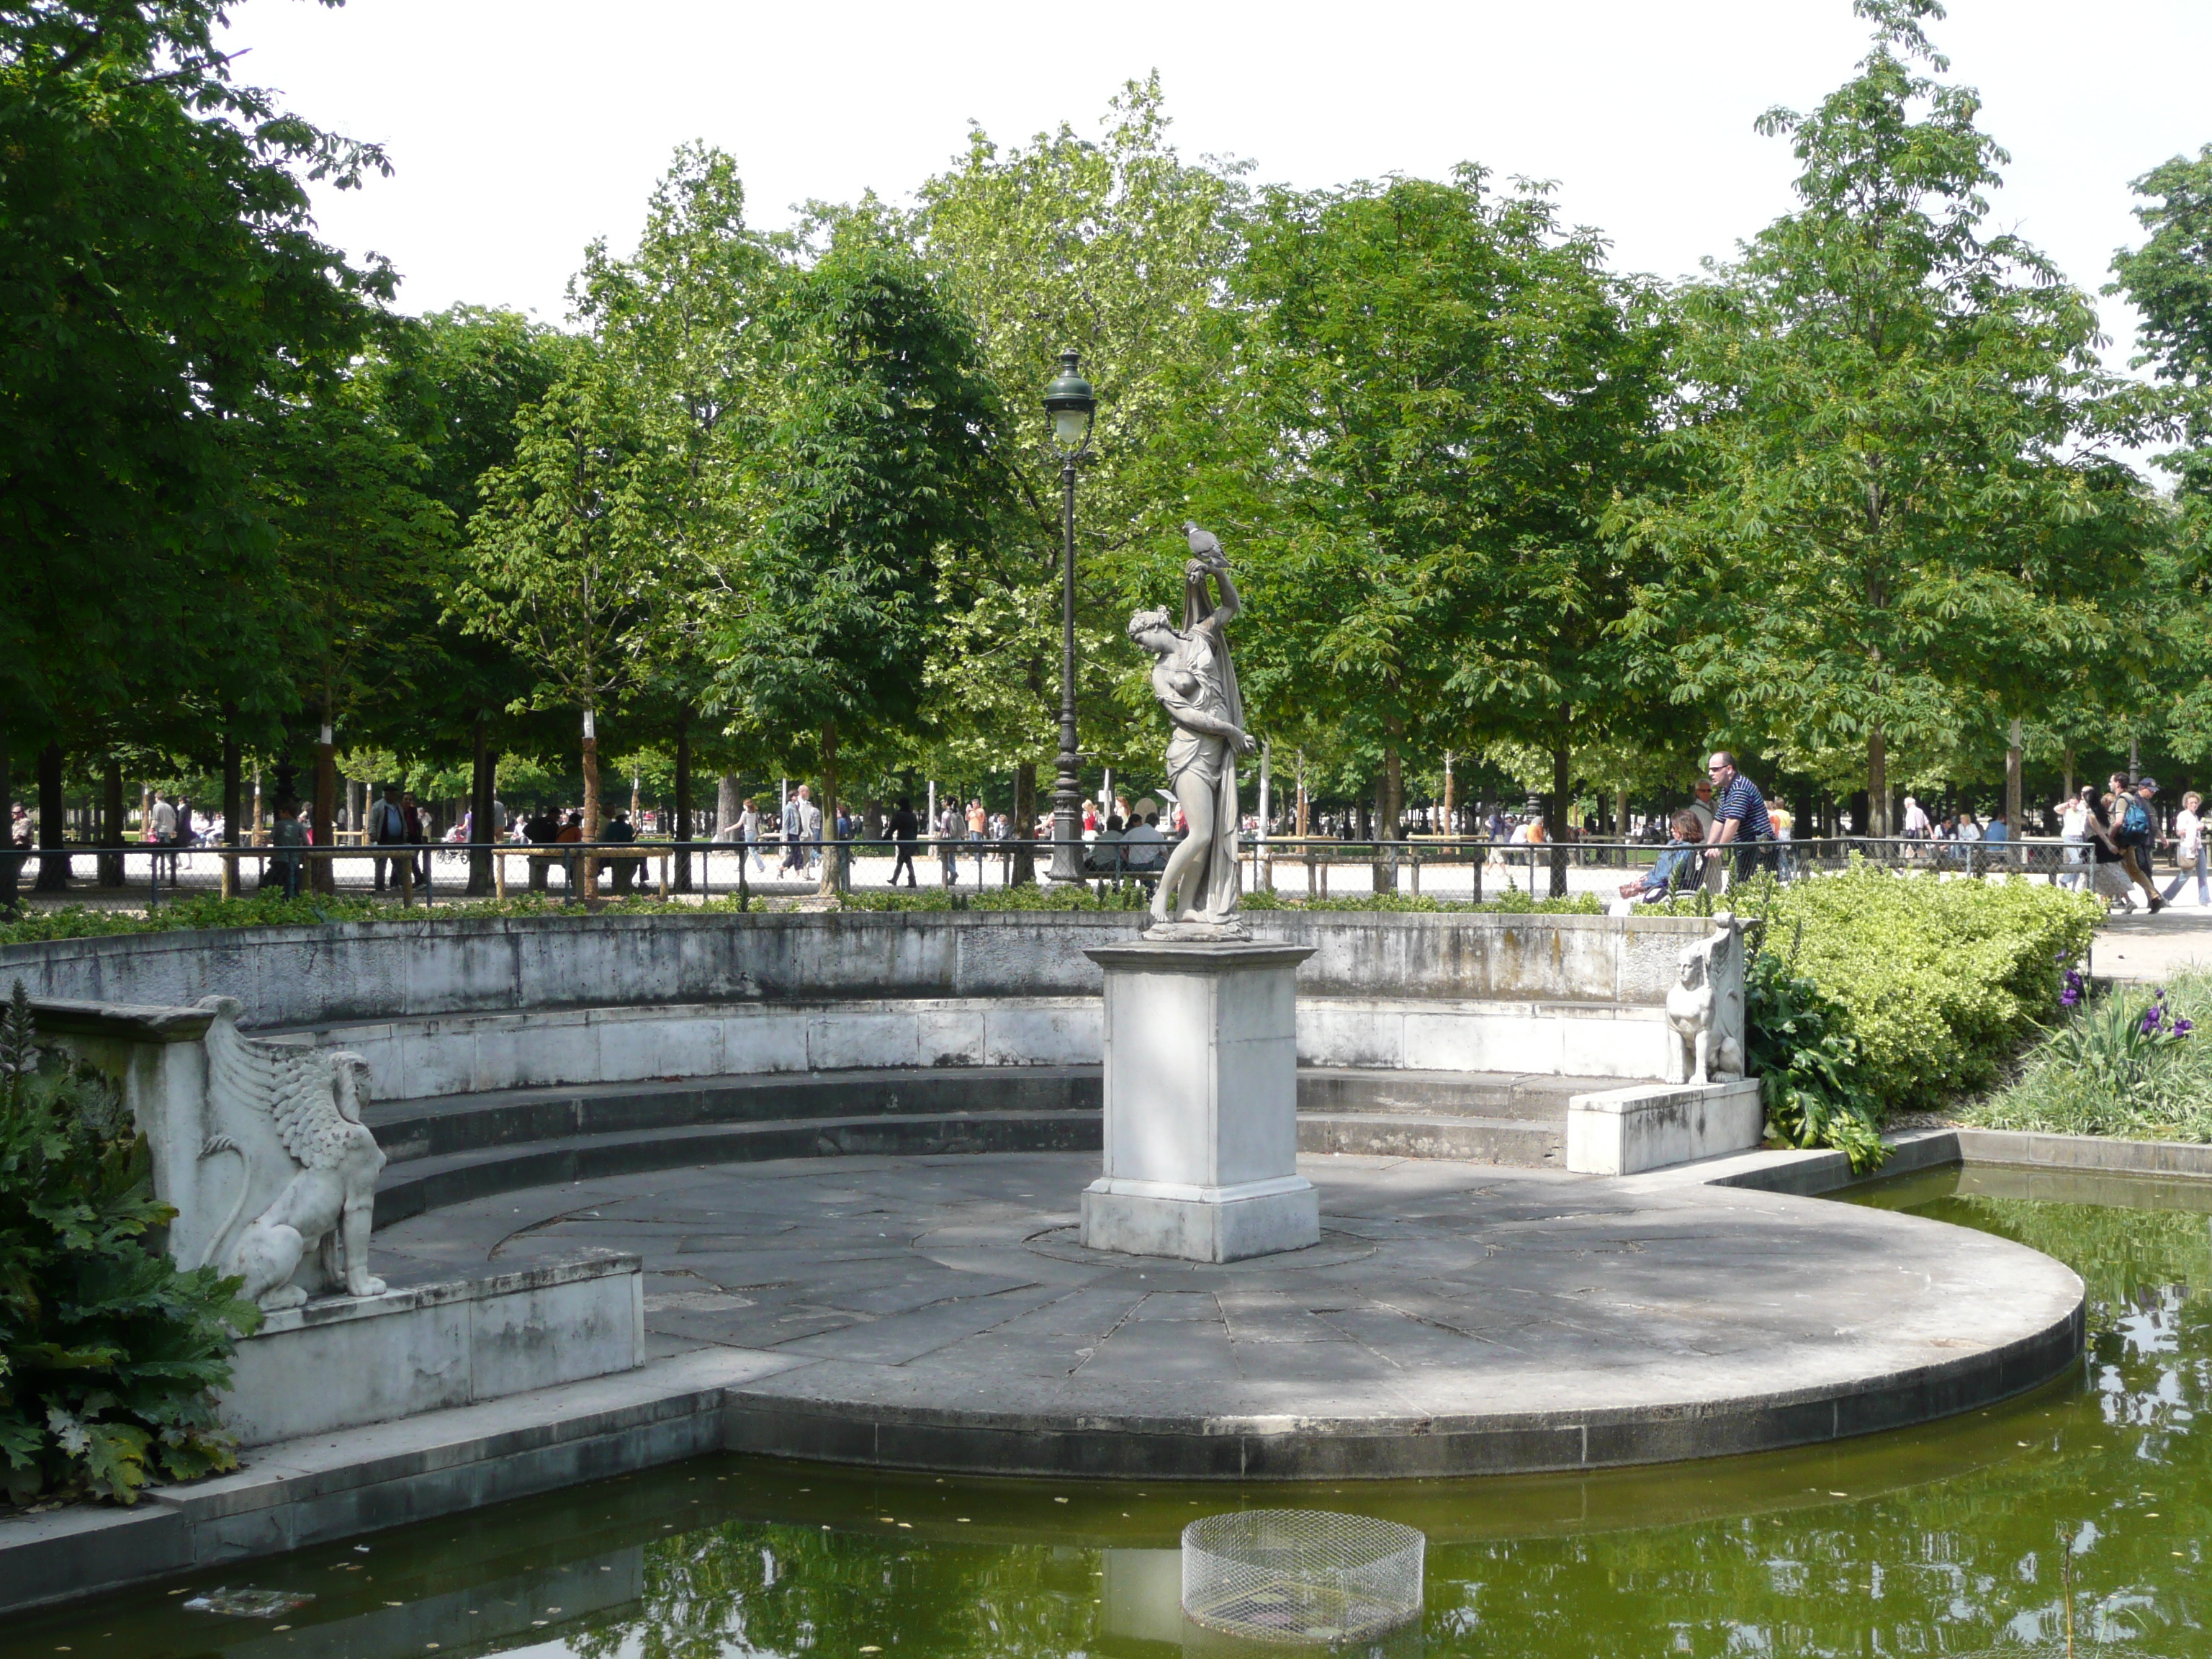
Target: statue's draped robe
x=1206 y=656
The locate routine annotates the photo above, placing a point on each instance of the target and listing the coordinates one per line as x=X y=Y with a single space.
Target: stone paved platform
x=1456 y=1318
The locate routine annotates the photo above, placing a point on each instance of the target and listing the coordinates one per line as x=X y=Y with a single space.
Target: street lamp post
x=1071 y=405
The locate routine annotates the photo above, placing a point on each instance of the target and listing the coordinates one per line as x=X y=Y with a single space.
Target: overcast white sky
x=521 y=128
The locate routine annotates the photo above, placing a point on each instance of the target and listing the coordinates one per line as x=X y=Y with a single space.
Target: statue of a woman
x=1196 y=685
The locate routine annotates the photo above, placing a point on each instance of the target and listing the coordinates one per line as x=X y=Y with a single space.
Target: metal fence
x=1465 y=869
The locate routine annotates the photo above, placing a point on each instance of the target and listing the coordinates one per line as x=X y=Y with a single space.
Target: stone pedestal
x=1201 y=1105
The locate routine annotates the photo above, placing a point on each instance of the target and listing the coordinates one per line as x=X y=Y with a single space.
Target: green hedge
x=1938 y=979
x=79 y=921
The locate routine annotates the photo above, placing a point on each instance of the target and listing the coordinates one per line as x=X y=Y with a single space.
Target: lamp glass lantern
x=1072 y=405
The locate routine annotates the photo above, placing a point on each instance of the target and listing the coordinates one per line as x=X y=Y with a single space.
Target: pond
x=2083 y=1505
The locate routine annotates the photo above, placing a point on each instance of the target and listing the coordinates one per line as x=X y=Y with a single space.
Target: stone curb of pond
x=325 y=1488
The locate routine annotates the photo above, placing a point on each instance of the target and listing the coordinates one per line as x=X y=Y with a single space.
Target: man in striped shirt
x=1740 y=817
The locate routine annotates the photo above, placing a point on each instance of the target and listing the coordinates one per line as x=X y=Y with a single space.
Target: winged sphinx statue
x=290 y=1115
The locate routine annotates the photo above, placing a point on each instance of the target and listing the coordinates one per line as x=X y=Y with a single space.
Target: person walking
x=2128 y=817
x=906 y=828
x=749 y=836
x=288 y=836
x=1739 y=819
x=418 y=836
x=810 y=831
x=979 y=824
x=2189 y=850
x=793 y=829
x=387 y=827
x=2073 y=831
x=948 y=841
x=2108 y=867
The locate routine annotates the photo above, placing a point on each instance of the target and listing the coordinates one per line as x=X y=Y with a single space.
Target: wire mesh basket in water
x=1301 y=1575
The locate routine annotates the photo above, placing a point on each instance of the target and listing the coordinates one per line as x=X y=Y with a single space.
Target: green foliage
x=1030 y=896
x=2108 y=1067
x=1439 y=390
x=1938 y=981
x=109 y=1354
x=1807 y=1066
x=2169 y=280
x=870 y=474
x=1118 y=248
x=159 y=279
x=1896 y=516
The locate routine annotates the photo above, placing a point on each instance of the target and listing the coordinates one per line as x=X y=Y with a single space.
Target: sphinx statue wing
x=290 y=1084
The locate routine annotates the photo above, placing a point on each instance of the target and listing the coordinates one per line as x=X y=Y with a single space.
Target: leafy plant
x=1808 y=1065
x=2121 y=1061
x=110 y=1355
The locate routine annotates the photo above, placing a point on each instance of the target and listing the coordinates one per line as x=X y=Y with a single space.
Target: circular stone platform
x=1456 y=1318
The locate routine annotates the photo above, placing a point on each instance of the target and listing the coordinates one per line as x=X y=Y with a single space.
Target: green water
x=1974 y=1536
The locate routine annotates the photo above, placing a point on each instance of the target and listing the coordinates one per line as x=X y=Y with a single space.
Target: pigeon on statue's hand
x=1204 y=545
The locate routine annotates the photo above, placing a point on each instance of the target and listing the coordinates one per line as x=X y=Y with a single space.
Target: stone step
x=409 y=1130
x=513 y=1118
x=1518 y=1142
x=422 y=1184
x=1535 y=1096
x=447 y=1151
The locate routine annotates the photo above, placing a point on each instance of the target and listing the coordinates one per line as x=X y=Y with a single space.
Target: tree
x=870 y=471
x=1117 y=248
x=450 y=386
x=158 y=278
x=1440 y=393
x=561 y=554
x=2169 y=280
x=685 y=320
x=1894 y=495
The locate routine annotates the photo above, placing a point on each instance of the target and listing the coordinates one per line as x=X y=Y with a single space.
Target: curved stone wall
x=292 y=977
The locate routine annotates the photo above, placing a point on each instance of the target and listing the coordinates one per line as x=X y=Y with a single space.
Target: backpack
x=2138 y=821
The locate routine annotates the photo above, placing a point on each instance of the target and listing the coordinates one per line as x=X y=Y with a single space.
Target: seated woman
x=1677 y=867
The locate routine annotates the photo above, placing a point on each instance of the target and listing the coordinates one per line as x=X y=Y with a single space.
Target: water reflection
x=1978 y=1537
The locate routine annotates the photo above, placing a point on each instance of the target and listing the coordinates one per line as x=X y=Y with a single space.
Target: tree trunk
x=2069 y=772
x=1389 y=806
x=1878 y=782
x=1562 y=761
x=323 y=872
x=53 y=874
x=679 y=875
x=728 y=804
x=10 y=862
x=234 y=784
x=591 y=803
x=832 y=872
x=484 y=775
x=1025 y=824
x=110 y=822
x=2013 y=781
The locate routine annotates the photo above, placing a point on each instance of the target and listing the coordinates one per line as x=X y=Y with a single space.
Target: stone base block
x=1626 y=1131
x=1228 y=1228
x=343 y=1362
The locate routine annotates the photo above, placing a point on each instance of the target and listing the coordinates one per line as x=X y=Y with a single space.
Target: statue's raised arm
x=1195 y=684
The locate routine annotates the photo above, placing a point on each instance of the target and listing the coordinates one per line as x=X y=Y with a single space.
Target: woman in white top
x=2189 y=849
x=2074 y=830
x=748 y=834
